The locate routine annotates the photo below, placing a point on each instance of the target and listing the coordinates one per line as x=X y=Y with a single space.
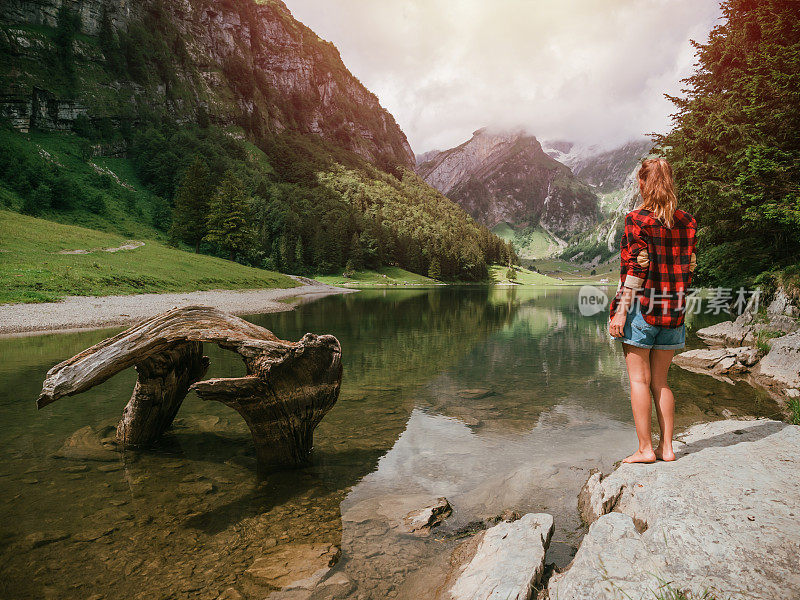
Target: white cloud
x=592 y=71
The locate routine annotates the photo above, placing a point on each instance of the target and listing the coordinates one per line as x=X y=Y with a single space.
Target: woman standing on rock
x=647 y=313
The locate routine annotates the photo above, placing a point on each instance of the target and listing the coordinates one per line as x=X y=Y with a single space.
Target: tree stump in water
x=288 y=389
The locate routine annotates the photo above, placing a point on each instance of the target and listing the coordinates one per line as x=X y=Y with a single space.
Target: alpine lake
x=495 y=398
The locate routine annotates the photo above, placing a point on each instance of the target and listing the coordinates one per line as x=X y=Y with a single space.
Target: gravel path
x=94 y=312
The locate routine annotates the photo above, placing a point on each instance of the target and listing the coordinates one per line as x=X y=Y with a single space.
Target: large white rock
x=745 y=328
x=782 y=362
x=718 y=361
x=723 y=517
x=733 y=333
x=508 y=562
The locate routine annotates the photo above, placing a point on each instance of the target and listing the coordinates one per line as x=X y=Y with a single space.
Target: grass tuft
x=794 y=409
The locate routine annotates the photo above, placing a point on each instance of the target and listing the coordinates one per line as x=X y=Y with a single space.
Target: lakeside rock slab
x=782 y=362
x=723 y=518
x=508 y=561
x=718 y=362
x=745 y=328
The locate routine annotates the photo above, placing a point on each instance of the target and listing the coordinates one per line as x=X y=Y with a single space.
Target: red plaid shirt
x=657 y=262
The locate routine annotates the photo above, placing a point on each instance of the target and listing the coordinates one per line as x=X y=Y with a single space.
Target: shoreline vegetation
x=46 y=261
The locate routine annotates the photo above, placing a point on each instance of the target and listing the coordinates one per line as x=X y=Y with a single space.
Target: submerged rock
x=508 y=561
x=88 y=444
x=42 y=538
x=422 y=520
x=294 y=566
x=197 y=488
x=93 y=533
x=475 y=393
x=400 y=513
x=722 y=518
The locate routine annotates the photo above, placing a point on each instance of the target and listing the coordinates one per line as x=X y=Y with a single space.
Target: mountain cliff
x=507 y=178
x=227 y=126
x=244 y=63
x=606 y=170
x=612 y=172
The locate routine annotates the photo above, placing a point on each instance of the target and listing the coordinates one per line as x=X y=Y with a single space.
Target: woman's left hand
x=615 y=327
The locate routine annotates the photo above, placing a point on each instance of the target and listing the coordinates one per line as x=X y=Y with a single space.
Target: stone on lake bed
x=475 y=393
x=422 y=520
x=76 y=469
x=42 y=538
x=109 y=468
x=294 y=566
x=722 y=518
x=87 y=444
x=92 y=534
x=230 y=593
x=508 y=561
x=197 y=488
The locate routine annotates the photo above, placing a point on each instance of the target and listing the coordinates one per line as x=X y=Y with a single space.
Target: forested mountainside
x=229 y=126
x=506 y=179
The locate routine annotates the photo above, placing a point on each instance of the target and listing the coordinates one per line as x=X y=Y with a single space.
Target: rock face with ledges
x=722 y=518
x=297 y=82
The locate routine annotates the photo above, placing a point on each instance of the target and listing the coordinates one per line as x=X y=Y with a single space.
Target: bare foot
x=665 y=455
x=648 y=456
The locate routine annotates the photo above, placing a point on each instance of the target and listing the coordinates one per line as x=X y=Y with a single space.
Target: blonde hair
x=658 y=189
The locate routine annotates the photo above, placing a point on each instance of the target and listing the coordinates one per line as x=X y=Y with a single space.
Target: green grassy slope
x=568 y=272
x=530 y=242
x=380 y=277
x=101 y=193
x=497 y=275
x=33 y=270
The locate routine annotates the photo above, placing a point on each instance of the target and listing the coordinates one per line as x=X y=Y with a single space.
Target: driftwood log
x=288 y=388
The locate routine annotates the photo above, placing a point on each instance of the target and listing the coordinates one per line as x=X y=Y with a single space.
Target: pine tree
x=227 y=216
x=735 y=143
x=299 y=259
x=191 y=205
x=435 y=268
x=355 y=254
x=67 y=26
x=109 y=43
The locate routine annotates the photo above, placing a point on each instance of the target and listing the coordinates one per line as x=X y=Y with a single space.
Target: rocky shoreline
x=721 y=520
x=764 y=349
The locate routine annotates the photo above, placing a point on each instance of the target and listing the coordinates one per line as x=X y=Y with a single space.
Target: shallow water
x=494 y=398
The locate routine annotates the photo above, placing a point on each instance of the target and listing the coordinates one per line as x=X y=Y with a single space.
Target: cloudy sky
x=593 y=71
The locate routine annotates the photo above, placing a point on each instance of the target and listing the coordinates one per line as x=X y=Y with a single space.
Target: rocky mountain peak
x=506 y=177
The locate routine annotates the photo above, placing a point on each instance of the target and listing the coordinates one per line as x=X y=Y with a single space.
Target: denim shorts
x=638 y=332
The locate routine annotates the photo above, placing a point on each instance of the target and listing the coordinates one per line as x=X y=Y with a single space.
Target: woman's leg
x=638 y=362
x=660 y=361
